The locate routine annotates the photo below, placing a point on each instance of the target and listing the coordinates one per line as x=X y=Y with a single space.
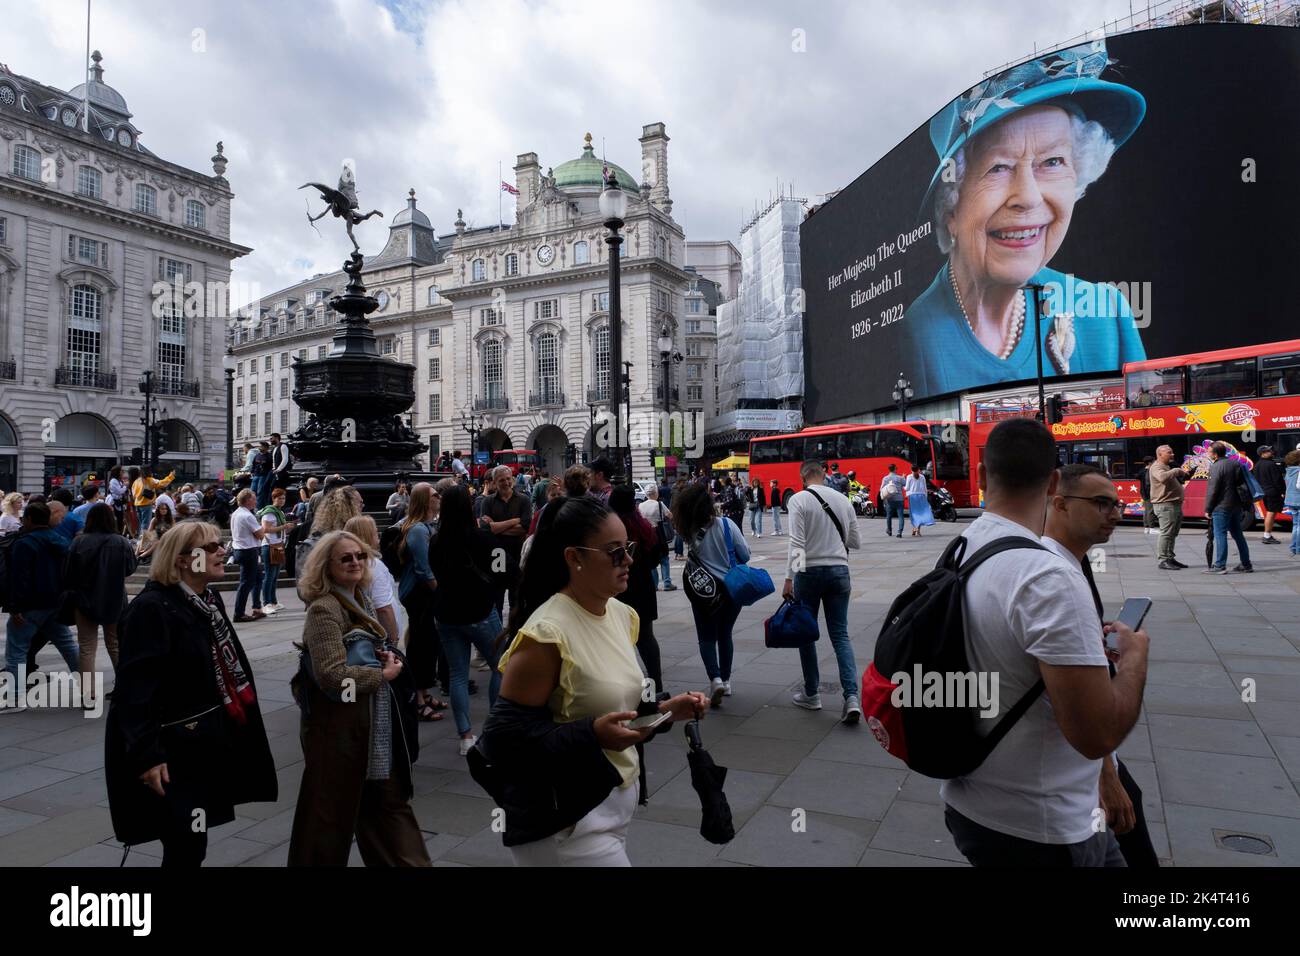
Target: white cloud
x=434 y=95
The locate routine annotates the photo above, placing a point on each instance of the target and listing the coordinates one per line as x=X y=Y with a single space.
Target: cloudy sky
x=432 y=95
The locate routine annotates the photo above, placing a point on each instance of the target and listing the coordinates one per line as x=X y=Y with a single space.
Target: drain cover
x=1244 y=843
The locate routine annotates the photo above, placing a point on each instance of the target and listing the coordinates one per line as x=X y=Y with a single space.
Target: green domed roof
x=586 y=171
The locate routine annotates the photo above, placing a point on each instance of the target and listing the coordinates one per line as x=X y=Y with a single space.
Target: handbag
x=746 y=585
x=275 y=554
x=793 y=625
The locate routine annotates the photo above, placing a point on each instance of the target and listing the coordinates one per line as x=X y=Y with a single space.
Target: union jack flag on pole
x=507 y=188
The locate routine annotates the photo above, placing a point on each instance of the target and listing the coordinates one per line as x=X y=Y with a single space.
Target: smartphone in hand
x=1133 y=613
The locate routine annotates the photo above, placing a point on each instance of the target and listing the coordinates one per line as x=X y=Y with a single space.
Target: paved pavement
x=1210 y=765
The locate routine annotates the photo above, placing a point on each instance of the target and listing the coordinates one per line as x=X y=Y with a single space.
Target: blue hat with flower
x=1066 y=78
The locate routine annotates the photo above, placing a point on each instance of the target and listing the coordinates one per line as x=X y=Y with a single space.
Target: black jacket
x=545 y=776
x=1227 y=489
x=1271 y=477
x=165 y=674
x=96 y=571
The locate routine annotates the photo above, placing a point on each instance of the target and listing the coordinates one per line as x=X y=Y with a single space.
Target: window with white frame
x=196 y=214
x=433 y=295
x=90 y=251
x=284 y=388
x=318 y=317
x=512 y=264
x=266 y=423
x=146 y=199
x=581 y=253
x=661 y=248
x=171 y=359
x=284 y=420
x=488 y=317
x=239 y=370
x=663 y=299
x=302 y=355
x=284 y=360
x=695 y=305
x=266 y=364
x=239 y=394
x=252 y=425
x=27 y=163
x=85 y=326
x=266 y=391
x=695 y=393
x=546 y=309
x=435 y=369
x=435 y=407
x=693 y=326
x=600 y=360
x=435 y=337
x=547 y=350
x=694 y=371
x=600 y=302
x=4 y=230
x=90 y=182
x=493 y=371
x=239 y=427
x=321 y=351
x=478 y=270
x=386 y=345
x=252 y=393
x=693 y=350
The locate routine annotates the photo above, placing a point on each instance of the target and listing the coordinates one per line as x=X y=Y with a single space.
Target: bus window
x=918 y=453
x=791 y=450
x=1280 y=374
x=1155 y=387
x=764 y=452
x=1216 y=381
x=1106 y=455
x=821 y=447
x=856 y=445
x=952 y=458
x=891 y=444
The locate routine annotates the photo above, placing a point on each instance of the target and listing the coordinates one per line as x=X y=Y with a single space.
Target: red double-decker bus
x=1244 y=397
x=940 y=448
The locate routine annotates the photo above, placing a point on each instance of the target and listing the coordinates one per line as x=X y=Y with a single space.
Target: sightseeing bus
x=1244 y=397
x=939 y=448
x=516 y=459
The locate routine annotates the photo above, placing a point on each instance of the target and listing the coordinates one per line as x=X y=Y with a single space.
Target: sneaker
x=258 y=614
x=1243 y=569
x=1215 y=571
x=1269 y=539
x=467 y=744
x=717 y=690
x=1169 y=566
x=670 y=587
x=807 y=703
x=1176 y=563
x=244 y=618
x=726 y=688
x=852 y=710
x=269 y=609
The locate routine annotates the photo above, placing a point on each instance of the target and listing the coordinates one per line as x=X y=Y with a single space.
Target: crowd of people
x=550 y=583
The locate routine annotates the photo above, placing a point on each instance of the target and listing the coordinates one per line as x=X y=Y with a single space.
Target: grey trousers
x=1170 y=516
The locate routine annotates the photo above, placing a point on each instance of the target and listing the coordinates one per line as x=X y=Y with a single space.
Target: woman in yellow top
x=572 y=652
x=144 y=502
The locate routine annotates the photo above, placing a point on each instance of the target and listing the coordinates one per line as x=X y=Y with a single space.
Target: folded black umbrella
x=707 y=778
x=1209 y=546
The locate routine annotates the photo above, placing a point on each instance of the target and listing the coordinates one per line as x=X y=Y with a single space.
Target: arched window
x=512 y=264
x=85 y=315
x=90 y=182
x=600 y=361
x=146 y=199
x=493 y=370
x=27 y=163
x=546 y=349
x=581 y=254
x=478 y=270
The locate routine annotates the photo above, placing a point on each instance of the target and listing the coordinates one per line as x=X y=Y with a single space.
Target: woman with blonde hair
x=185 y=738
x=382 y=588
x=337 y=506
x=357 y=739
x=11 y=509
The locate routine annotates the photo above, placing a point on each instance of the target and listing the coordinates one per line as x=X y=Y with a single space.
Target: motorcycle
x=863 y=506
x=941 y=503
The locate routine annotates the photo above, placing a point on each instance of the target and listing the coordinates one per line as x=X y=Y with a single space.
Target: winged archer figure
x=342 y=203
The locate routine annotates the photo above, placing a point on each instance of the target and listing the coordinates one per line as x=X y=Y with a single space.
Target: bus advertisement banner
x=1261 y=414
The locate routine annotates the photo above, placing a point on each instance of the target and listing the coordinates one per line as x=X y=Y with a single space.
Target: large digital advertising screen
x=1146 y=182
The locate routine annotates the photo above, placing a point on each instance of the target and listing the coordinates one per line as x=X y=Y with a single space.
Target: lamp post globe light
x=613 y=209
x=903 y=395
x=667 y=357
x=228 y=363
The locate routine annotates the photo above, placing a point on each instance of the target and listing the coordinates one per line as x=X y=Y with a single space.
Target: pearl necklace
x=1017 y=317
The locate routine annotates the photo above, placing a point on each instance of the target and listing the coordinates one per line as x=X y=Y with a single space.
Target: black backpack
x=390 y=543
x=925 y=629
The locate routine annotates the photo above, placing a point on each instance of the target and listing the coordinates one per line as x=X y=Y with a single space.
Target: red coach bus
x=1245 y=397
x=940 y=448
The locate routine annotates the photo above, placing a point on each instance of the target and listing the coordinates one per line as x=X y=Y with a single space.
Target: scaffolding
x=760 y=332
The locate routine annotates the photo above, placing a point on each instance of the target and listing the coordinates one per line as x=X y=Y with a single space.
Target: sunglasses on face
x=352 y=557
x=618 y=555
x=1105 y=503
x=212 y=547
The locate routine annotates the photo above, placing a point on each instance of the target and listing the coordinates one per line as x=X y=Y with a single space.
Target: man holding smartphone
x=1081 y=515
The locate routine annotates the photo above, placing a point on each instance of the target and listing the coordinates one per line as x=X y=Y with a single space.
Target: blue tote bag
x=744 y=584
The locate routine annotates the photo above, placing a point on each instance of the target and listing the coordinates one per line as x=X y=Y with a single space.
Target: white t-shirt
x=914 y=485
x=381 y=584
x=243 y=524
x=1034 y=785
x=653 y=511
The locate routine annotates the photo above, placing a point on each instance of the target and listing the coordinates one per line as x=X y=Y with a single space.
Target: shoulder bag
x=744 y=584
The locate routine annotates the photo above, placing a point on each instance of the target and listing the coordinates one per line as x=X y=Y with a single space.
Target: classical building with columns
x=507 y=325
x=91 y=224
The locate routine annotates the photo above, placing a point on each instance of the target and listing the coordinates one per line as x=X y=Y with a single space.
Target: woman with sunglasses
x=556 y=753
x=185 y=740
x=464 y=603
x=357 y=743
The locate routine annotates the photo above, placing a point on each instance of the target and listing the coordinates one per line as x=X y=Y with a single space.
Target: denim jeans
x=40 y=621
x=828 y=586
x=1228 y=523
x=457 y=639
x=679 y=546
x=713 y=629
x=1295 y=532
x=893 y=507
x=662 y=571
x=250 y=580
x=269 y=574
x=756 y=520
x=262 y=488
x=144 y=514
x=983 y=846
x=776 y=519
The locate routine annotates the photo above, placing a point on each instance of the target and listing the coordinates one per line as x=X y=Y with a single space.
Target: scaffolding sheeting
x=760 y=333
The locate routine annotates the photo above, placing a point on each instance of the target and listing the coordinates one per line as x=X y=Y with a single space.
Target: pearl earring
x=580 y=567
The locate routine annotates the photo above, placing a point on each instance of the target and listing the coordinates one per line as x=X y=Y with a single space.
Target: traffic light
x=1055 y=409
x=158 y=439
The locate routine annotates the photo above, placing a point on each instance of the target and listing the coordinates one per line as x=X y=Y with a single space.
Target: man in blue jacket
x=35 y=564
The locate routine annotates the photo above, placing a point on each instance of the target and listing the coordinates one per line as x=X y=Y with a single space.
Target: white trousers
x=598 y=839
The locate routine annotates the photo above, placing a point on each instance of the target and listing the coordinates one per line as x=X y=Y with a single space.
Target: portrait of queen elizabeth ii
x=1016 y=154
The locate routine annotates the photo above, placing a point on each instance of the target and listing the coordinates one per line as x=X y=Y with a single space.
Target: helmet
x=853 y=474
